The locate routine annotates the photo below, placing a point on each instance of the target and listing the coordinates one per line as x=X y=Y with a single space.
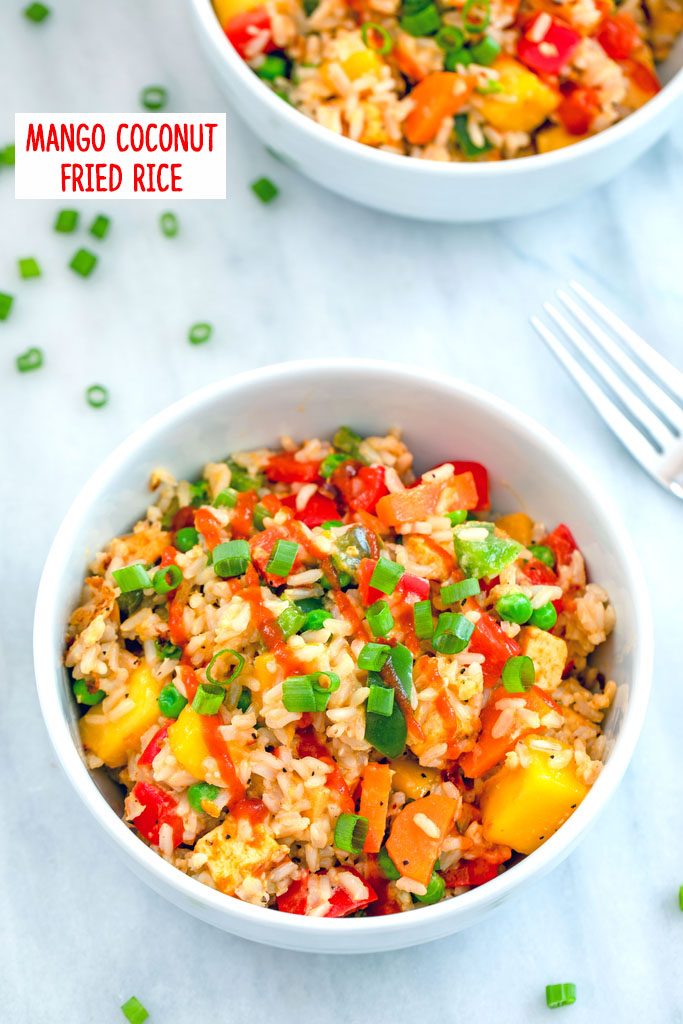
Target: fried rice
x=330 y=688
x=462 y=80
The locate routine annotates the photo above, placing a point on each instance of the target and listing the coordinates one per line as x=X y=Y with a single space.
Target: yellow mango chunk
x=227 y=9
x=411 y=778
x=187 y=744
x=231 y=860
x=556 y=137
x=548 y=653
x=522 y=807
x=362 y=62
x=113 y=740
x=517 y=525
x=524 y=101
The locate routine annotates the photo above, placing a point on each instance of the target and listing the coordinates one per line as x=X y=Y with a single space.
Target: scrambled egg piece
x=232 y=860
x=548 y=653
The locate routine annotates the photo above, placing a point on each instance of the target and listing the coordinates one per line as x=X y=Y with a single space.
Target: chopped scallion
x=83 y=262
x=167 y=579
x=154 y=97
x=131 y=578
x=518 y=674
x=386 y=575
x=227 y=498
x=36 y=12
x=422 y=618
x=453 y=592
x=452 y=633
x=66 y=221
x=231 y=558
x=169 y=224
x=282 y=558
x=5 y=305
x=330 y=463
x=380 y=619
x=376 y=37
x=373 y=656
x=96 y=395
x=31 y=359
x=291 y=620
x=560 y=995
x=232 y=675
x=265 y=190
x=199 y=333
x=350 y=833
x=100 y=226
x=208 y=698
x=28 y=268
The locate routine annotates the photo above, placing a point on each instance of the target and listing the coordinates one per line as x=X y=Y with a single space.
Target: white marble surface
x=309 y=274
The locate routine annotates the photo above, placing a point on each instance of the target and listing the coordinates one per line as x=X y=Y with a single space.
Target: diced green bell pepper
x=480 y=552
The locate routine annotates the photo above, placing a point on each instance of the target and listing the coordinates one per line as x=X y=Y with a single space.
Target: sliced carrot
x=410 y=506
x=461 y=492
x=436 y=97
x=489 y=750
x=374 y=803
x=413 y=851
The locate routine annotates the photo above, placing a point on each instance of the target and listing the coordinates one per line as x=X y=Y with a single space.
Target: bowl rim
x=49 y=615
x=341 y=145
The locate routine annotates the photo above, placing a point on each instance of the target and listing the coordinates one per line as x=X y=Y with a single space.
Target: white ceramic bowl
x=427 y=189
x=441 y=418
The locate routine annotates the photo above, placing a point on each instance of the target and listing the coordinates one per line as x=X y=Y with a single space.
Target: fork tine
x=635 y=405
x=655 y=361
x=657 y=396
x=639 y=447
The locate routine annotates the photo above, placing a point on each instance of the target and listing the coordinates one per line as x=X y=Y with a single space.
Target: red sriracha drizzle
x=154 y=746
x=286 y=469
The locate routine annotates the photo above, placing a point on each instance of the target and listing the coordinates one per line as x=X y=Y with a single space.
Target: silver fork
x=654 y=432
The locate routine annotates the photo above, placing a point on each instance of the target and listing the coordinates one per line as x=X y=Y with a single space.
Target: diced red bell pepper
x=539 y=574
x=154 y=746
x=341 y=904
x=562 y=544
x=294 y=901
x=286 y=469
x=209 y=527
x=319 y=508
x=159 y=809
x=619 y=36
x=413 y=586
x=471 y=872
x=361 y=487
x=251 y=33
x=550 y=54
x=168 y=557
x=579 y=106
x=489 y=639
x=481 y=481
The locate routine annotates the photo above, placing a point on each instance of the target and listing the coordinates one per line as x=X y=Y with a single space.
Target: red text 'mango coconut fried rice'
x=329 y=688
x=457 y=79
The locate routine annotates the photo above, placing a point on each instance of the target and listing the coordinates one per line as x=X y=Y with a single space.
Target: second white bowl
x=427 y=189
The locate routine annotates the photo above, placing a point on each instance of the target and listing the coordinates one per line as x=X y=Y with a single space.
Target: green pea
x=544 y=617
x=199 y=792
x=435 y=890
x=543 y=554
x=514 y=608
x=171 y=701
x=84 y=695
x=186 y=539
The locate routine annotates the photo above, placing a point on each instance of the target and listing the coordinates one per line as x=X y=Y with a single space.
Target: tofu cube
x=548 y=653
